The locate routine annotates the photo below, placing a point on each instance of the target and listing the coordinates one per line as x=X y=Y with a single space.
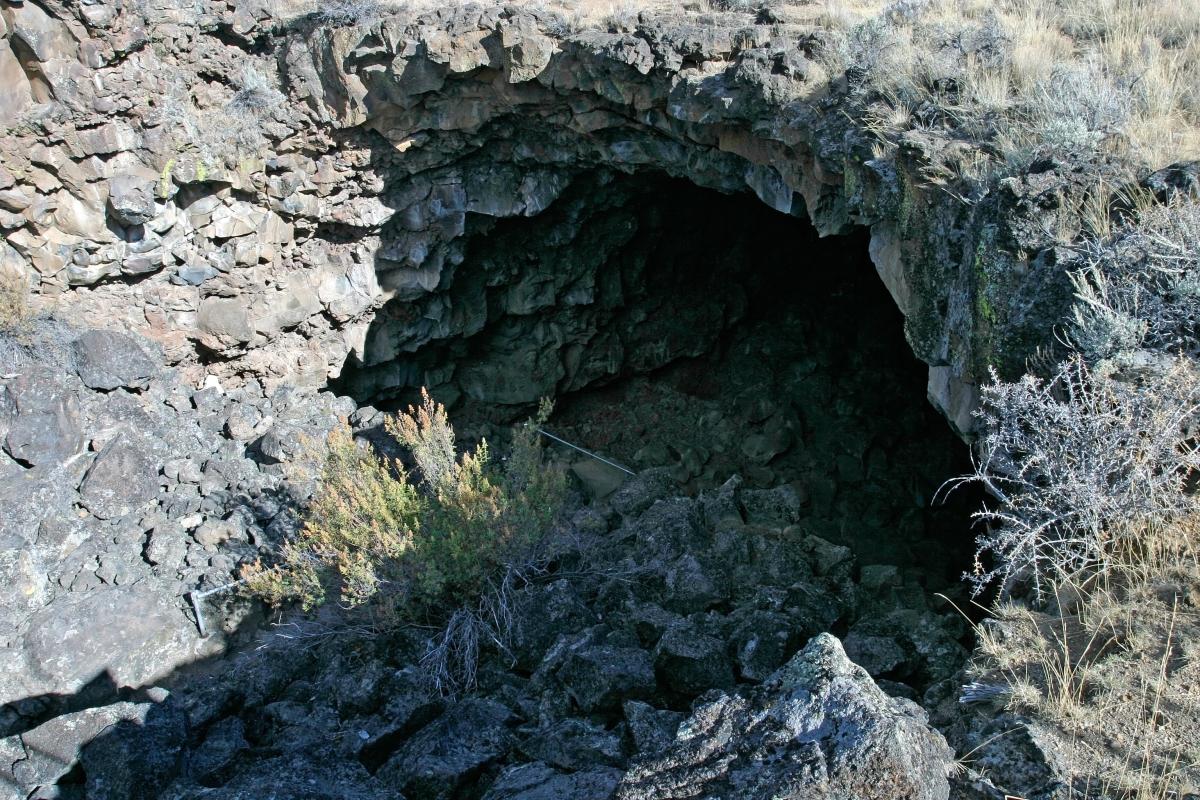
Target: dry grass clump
x=1111 y=671
x=221 y=135
x=448 y=552
x=1028 y=78
x=1140 y=287
x=16 y=311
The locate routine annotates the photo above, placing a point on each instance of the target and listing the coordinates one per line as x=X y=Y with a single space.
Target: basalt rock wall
x=249 y=191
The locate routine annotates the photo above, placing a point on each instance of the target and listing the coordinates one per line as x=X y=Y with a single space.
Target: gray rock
x=167 y=546
x=826 y=556
x=639 y=492
x=242 y=422
x=574 y=744
x=778 y=506
x=135 y=633
x=878 y=655
x=1179 y=181
x=283 y=442
x=690 y=662
x=763 y=641
x=193 y=273
x=122 y=479
x=223 y=741
x=215 y=532
x=23 y=584
x=819 y=727
x=546 y=612
x=52 y=749
x=537 y=781
x=694 y=585
x=436 y=761
x=139 y=755
x=106 y=360
x=761 y=448
x=293 y=776
x=602 y=676
x=599 y=480
x=45 y=426
x=131 y=198
x=653 y=730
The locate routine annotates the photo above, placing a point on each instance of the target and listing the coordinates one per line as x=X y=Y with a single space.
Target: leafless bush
x=1087 y=471
x=256 y=94
x=1141 y=286
x=451 y=661
x=340 y=13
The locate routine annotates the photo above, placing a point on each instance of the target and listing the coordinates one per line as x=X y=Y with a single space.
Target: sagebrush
x=1087 y=471
x=446 y=548
x=1140 y=286
x=1025 y=79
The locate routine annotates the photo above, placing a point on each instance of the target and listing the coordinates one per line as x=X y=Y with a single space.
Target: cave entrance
x=701 y=332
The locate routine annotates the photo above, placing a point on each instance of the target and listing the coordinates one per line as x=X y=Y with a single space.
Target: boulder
x=223 y=741
x=131 y=198
x=441 y=757
x=243 y=422
x=639 y=492
x=53 y=747
x=167 y=546
x=574 y=744
x=599 y=480
x=537 y=781
x=46 y=426
x=1178 y=181
x=689 y=662
x=602 y=676
x=107 y=360
x=819 y=727
x=653 y=730
x=122 y=479
x=140 y=754
x=135 y=633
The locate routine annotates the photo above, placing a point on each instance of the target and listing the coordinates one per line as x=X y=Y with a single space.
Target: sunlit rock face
x=250 y=192
x=679 y=228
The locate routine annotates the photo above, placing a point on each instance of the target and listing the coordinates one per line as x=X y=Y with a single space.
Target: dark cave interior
x=705 y=333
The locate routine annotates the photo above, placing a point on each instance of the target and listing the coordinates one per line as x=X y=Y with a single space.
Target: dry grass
x=1110 y=672
x=16 y=311
x=1119 y=77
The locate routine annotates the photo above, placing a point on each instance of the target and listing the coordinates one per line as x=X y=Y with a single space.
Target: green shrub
x=421 y=551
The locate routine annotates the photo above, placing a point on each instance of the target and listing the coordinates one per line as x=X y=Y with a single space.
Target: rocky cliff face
x=225 y=211
x=249 y=192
